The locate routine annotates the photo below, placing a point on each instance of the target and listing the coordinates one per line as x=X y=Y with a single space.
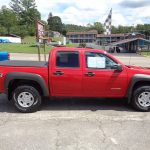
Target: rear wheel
x=141 y=98
x=26 y=99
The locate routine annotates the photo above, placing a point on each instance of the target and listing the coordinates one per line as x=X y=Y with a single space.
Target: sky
x=82 y=12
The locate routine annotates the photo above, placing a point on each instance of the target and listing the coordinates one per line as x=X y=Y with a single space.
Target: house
x=82 y=37
x=103 y=39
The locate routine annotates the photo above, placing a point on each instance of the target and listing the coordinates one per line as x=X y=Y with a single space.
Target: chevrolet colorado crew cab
x=74 y=72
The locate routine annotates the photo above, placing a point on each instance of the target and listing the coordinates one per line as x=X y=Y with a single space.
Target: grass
x=72 y=45
x=145 y=53
x=29 y=47
x=25 y=48
x=22 y=48
x=29 y=39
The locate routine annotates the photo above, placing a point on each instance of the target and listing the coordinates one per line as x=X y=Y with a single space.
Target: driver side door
x=99 y=80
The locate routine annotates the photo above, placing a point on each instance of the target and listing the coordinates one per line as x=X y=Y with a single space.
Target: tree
x=19 y=6
x=122 y=29
x=55 y=23
x=97 y=26
x=27 y=13
x=2 y=30
x=144 y=29
x=73 y=28
x=7 y=18
x=20 y=30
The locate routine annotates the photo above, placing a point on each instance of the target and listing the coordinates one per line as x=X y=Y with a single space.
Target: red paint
x=74 y=82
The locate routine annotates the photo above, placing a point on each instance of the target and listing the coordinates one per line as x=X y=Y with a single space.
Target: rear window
x=67 y=59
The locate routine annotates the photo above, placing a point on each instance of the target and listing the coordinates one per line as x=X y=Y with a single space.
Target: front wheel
x=141 y=98
x=26 y=99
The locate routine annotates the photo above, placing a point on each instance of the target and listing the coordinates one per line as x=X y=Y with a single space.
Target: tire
x=26 y=99
x=141 y=98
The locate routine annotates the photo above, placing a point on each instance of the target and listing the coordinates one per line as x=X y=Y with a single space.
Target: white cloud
x=82 y=12
x=119 y=19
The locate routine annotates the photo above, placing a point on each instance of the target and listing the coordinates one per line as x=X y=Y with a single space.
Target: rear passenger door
x=66 y=74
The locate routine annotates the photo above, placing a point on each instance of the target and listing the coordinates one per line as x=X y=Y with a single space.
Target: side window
x=67 y=59
x=98 y=61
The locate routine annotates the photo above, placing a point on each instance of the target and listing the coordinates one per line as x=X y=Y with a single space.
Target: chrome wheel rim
x=25 y=99
x=144 y=99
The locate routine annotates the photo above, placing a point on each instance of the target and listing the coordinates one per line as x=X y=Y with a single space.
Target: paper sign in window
x=96 y=62
x=100 y=62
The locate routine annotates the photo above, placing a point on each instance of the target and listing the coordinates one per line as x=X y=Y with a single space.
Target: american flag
x=107 y=24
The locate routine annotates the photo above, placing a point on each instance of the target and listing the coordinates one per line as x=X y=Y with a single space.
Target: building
x=130 y=42
x=106 y=39
x=100 y=39
x=82 y=37
x=93 y=36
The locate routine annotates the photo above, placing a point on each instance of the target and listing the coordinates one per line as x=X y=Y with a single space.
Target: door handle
x=90 y=74
x=58 y=73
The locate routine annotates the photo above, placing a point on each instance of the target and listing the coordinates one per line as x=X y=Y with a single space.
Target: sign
x=96 y=62
x=40 y=30
x=39 y=37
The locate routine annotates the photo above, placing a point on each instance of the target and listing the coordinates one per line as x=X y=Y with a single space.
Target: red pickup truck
x=74 y=72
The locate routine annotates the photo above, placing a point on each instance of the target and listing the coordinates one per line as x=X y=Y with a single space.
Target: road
x=128 y=59
x=75 y=124
x=133 y=59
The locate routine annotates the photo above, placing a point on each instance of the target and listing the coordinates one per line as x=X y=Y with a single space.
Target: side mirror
x=117 y=67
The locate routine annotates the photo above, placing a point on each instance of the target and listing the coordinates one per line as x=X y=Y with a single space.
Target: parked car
x=4 y=56
x=74 y=72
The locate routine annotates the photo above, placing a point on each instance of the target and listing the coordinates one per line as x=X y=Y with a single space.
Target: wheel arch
x=14 y=78
x=136 y=81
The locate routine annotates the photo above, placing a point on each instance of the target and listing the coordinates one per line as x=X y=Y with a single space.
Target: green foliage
x=20 y=20
x=29 y=39
x=20 y=6
x=145 y=29
x=7 y=19
x=145 y=53
x=20 y=30
x=2 y=30
x=74 y=28
x=55 y=23
x=27 y=14
x=97 y=26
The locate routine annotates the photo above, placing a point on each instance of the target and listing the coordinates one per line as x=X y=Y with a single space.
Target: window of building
x=67 y=59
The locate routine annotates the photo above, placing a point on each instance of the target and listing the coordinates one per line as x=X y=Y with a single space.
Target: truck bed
x=20 y=63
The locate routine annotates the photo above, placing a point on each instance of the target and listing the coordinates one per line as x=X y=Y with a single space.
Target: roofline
x=112 y=35
x=83 y=32
x=127 y=41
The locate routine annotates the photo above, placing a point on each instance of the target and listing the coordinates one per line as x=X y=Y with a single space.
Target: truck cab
x=86 y=73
